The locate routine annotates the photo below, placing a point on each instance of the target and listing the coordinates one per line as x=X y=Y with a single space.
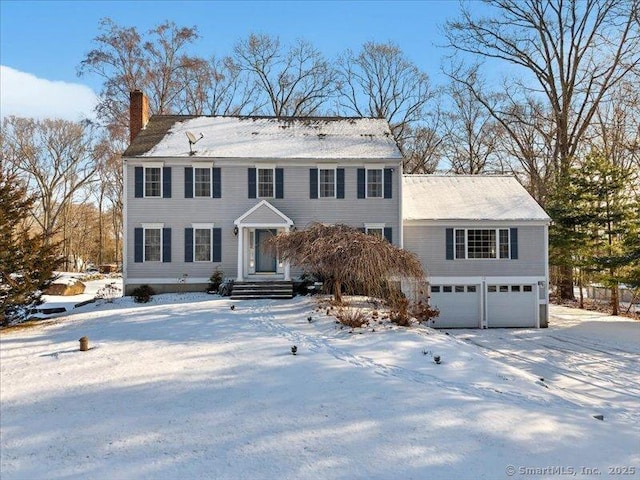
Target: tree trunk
x=337 y=291
x=565 y=283
x=614 y=297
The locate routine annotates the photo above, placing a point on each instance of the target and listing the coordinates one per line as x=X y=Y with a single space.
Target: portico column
x=240 y=254
x=287 y=266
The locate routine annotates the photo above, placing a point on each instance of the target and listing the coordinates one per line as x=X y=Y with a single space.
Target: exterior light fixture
x=235 y=230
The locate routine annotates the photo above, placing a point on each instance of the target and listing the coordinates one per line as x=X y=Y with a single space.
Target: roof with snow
x=266 y=137
x=467 y=197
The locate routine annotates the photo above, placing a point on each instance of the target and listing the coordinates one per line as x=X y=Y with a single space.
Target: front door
x=265 y=258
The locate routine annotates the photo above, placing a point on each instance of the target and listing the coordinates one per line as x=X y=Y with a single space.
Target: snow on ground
x=185 y=387
x=92 y=287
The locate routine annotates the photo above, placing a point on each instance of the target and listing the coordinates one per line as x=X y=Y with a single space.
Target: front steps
x=262 y=289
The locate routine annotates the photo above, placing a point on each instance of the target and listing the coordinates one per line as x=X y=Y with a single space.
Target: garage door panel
x=459 y=306
x=511 y=306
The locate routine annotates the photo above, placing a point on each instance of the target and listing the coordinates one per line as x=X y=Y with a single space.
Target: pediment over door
x=263 y=213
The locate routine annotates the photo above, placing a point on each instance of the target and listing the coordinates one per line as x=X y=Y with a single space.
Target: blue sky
x=43 y=42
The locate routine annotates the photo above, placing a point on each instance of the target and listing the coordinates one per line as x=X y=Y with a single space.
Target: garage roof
x=468 y=197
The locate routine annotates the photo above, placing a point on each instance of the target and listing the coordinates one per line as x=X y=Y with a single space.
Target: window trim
x=334 y=168
x=145 y=168
x=497 y=244
x=273 y=180
x=151 y=226
x=203 y=226
x=366 y=181
x=203 y=167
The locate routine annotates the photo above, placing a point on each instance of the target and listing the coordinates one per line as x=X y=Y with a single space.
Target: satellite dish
x=192 y=141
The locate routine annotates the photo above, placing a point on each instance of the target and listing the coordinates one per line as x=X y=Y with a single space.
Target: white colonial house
x=206 y=192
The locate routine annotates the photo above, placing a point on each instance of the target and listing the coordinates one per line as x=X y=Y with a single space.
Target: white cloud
x=25 y=95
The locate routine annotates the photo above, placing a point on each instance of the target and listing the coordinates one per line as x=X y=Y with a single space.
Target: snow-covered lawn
x=185 y=387
x=92 y=287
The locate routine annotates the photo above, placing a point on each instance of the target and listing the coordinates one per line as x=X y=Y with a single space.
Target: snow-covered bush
x=109 y=292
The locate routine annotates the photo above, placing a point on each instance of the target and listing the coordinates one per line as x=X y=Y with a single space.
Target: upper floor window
x=265 y=182
x=327 y=182
x=482 y=243
x=152 y=182
x=375 y=185
x=202 y=182
x=152 y=244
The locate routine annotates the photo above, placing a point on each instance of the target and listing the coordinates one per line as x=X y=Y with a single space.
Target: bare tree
x=294 y=82
x=219 y=87
x=471 y=133
x=127 y=61
x=570 y=53
x=55 y=159
x=381 y=82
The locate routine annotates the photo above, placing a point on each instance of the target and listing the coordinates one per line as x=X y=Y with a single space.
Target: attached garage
x=511 y=306
x=501 y=305
x=459 y=305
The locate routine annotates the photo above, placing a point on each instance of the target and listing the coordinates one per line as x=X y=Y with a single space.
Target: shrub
x=215 y=280
x=351 y=317
x=143 y=294
x=423 y=312
x=109 y=292
x=399 y=311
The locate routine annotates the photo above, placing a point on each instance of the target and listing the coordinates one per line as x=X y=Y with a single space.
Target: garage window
x=471 y=289
x=515 y=288
x=459 y=288
x=435 y=288
x=526 y=288
x=446 y=289
x=492 y=288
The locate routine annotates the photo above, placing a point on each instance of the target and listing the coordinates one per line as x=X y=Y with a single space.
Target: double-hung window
x=482 y=243
x=265 y=183
x=375 y=185
x=327 y=182
x=202 y=244
x=202 y=182
x=152 y=244
x=152 y=182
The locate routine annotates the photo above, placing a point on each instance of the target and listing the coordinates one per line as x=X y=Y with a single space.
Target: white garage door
x=511 y=305
x=459 y=305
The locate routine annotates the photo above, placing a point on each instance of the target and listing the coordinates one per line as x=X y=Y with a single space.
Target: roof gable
x=266 y=137
x=468 y=197
x=263 y=213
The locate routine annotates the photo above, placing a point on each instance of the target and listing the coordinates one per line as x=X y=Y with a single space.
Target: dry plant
x=347 y=257
x=352 y=317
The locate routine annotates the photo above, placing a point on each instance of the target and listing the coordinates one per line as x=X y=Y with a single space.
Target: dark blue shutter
x=188 y=182
x=166 y=245
x=139 y=180
x=138 y=244
x=514 y=243
x=449 y=243
x=313 y=183
x=217 y=183
x=388 y=184
x=188 y=244
x=279 y=183
x=252 y=182
x=166 y=182
x=340 y=183
x=217 y=244
x=361 y=182
x=388 y=234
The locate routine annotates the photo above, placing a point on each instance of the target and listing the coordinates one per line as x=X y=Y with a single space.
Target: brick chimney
x=138 y=113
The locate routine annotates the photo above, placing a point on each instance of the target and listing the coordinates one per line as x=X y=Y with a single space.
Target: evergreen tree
x=26 y=261
x=610 y=220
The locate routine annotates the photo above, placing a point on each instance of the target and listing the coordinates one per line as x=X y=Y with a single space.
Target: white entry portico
x=255 y=226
